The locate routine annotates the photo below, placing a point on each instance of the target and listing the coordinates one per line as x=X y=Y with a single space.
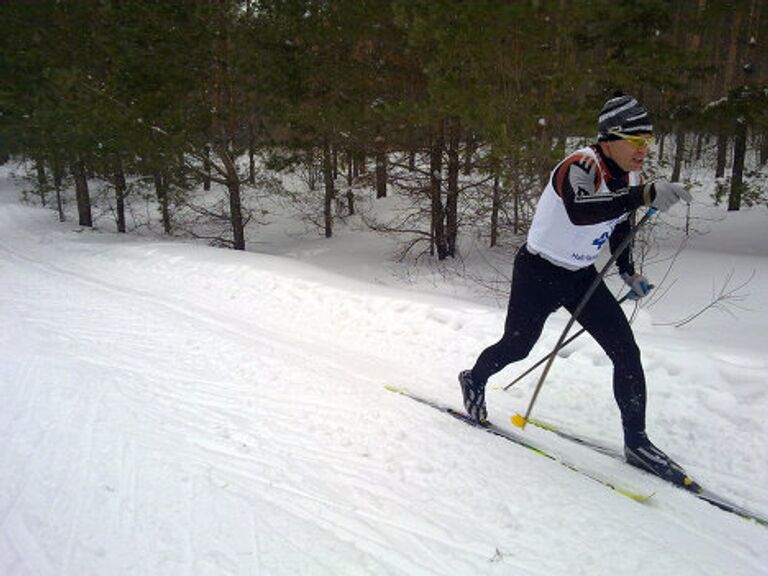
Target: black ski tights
x=539 y=288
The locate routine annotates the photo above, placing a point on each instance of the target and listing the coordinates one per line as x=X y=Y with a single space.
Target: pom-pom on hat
x=622 y=114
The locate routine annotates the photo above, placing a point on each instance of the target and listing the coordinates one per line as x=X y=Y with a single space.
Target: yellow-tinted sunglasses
x=636 y=141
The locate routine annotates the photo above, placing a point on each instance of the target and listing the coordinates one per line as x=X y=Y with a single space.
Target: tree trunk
x=42 y=181
x=517 y=198
x=516 y=222
x=329 y=189
x=739 y=153
x=235 y=200
x=58 y=177
x=452 y=198
x=82 y=195
x=359 y=163
x=764 y=149
x=207 y=169
x=350 y=181
x=251 y=155
x=722 y=152
x=350 y=175
x=381 y=168
x=161 y=191
x=435 y=190
x=120 y=190
x=381 y=175
x=351 y=202
x=679 y=154
x=469 y=154
x=236 y=213
x=732 y=60
x=495 y=208
x=699 y=146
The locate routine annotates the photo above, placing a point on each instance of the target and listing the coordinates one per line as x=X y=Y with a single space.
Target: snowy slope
x=176 y=409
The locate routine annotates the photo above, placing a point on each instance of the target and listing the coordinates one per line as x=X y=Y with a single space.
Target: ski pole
x=519 y=420
x=626 y=297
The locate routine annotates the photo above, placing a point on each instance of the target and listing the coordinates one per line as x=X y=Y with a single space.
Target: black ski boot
x=474 y=397
x=648 y=457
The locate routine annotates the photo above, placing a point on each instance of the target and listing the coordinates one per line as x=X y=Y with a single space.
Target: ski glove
x=638 y=284
x=665 y=194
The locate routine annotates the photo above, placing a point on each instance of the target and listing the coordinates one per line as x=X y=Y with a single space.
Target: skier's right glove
x=664 y=195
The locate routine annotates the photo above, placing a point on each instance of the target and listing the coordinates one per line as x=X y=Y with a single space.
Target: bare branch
x=723 y=299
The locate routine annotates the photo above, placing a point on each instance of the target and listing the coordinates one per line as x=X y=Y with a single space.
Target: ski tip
x=518 y=421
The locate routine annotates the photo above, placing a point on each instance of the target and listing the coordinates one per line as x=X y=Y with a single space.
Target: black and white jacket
x=585 y=206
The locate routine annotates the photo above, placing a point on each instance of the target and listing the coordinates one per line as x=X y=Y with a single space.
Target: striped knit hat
x=622 y=114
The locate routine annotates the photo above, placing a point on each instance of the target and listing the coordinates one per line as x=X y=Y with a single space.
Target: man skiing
x=585 y=206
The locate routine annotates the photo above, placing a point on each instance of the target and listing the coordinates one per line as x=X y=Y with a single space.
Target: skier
x=585 y=205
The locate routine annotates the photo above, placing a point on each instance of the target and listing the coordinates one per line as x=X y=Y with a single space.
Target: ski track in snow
x=173 y=410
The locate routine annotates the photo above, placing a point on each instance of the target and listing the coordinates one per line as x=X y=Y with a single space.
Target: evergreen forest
x=456 y=103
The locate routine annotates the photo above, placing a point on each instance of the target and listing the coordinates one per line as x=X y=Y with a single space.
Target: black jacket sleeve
x=577 y=181
x=624 y=262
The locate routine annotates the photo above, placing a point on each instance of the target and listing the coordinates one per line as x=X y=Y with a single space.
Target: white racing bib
x=552 y=234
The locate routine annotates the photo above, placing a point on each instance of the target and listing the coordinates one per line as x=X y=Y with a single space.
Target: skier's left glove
x=638 y=284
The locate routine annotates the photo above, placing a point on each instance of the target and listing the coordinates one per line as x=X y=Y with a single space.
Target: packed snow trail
x=174 y=409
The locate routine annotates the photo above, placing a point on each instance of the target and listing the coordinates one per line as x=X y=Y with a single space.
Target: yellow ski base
x=634 y=495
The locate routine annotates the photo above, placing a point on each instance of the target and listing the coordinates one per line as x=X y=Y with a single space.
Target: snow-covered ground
x=168 y=408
